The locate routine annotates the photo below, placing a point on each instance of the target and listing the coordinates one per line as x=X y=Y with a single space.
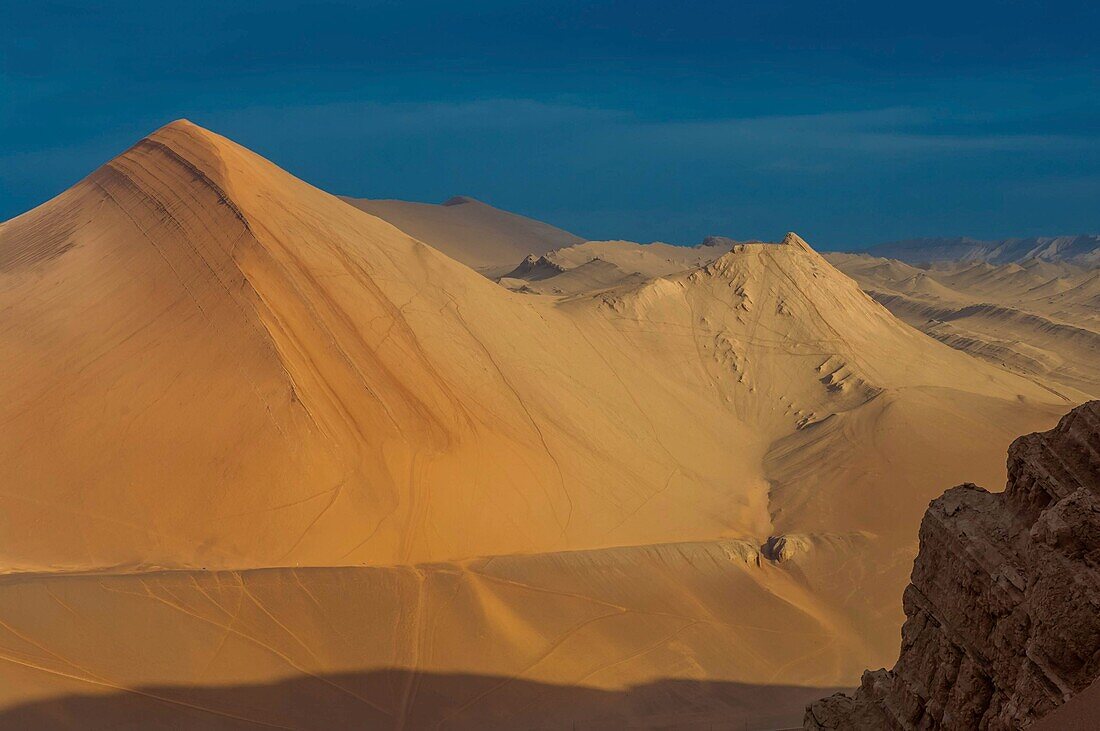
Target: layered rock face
x=1003 y=612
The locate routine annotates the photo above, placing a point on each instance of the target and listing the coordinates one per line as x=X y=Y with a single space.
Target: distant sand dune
x=1040 y=319
x=482 y=237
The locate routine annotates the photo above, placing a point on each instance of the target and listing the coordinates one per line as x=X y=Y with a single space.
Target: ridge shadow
x=401 y=699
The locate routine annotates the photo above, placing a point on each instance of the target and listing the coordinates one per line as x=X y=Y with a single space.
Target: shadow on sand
x=400 y=699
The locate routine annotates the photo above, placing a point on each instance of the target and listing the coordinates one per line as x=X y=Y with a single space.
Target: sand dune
x=482 y=237
x=649 y=260
x=1083 y=249
x=1040 y=319
x=541 y=276
x=1061 y=291
x=596 y=265
x=711 y=472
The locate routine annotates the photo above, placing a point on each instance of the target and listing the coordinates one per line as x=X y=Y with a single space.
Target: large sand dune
x=714 y=473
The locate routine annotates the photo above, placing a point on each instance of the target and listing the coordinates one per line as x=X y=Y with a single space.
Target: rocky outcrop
x=1003 y=612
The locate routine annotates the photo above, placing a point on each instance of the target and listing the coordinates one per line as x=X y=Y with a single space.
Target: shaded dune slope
x=313 y=704
x=480 y=236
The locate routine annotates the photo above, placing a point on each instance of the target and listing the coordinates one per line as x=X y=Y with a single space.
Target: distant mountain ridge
x=1080 y=248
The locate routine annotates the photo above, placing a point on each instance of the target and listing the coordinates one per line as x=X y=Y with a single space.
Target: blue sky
x=851 y=123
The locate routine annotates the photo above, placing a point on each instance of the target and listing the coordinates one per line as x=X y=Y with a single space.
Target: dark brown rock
x=1003 y=612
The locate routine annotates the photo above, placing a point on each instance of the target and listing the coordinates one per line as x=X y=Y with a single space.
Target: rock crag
x=1003 y=612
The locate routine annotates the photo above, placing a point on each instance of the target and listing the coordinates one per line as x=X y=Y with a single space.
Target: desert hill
x=1082 y=249
x=1039 y=318
x=593 y=265
x=484 y=238
x=266 y=428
